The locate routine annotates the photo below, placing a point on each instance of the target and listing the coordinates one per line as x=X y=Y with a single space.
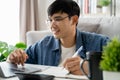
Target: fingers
x=18 y=57
x=23 y=56
x=73 y=65
x=71 y=60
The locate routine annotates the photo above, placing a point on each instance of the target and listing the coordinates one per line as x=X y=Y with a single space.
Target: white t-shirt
x=66 y=53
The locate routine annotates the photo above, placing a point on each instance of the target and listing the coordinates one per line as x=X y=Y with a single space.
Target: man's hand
x=73 y=65
x=18 y=56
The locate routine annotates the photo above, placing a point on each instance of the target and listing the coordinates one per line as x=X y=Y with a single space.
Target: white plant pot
x=104 y=9
x=108 y=75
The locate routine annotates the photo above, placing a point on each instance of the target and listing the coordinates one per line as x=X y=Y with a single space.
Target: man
x=58 y=49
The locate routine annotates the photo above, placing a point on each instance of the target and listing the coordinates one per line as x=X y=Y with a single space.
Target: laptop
x=9 y=69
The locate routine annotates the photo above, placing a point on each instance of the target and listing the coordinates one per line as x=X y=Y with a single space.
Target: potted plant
x=104 y=4
x=110 y=63
x=6 y=49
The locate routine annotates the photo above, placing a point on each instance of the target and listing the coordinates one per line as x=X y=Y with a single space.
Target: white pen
x=77 y=52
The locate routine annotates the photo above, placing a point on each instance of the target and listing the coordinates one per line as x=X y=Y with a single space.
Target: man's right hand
x=18 y=56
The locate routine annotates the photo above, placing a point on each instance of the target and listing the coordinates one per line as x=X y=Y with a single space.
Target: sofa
x=109 y=26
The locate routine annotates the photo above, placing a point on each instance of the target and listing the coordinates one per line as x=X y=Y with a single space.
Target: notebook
x=9 y=69
x=60 y=72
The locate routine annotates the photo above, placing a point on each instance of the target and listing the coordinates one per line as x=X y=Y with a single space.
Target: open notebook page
x=60 y=72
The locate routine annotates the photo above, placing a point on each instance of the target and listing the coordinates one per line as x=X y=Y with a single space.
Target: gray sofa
x=109 y=26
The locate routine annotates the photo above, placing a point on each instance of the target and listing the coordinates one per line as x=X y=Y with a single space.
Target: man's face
x=61 y=25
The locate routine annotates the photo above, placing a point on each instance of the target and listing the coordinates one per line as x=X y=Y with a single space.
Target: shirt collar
x=56 y=44
x=78 y=39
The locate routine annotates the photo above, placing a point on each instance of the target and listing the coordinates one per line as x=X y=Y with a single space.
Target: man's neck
x=68 y=42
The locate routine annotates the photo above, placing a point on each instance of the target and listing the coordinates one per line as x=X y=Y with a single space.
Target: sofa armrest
x=34 y=36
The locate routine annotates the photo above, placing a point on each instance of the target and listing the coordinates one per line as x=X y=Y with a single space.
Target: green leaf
x=21 y=45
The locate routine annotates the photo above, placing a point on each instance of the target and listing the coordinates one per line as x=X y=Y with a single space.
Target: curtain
x=29 y=17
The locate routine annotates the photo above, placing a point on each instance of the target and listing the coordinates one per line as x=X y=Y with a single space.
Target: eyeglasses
x=57 y=19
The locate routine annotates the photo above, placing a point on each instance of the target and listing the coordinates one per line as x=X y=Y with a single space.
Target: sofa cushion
x=88 y=27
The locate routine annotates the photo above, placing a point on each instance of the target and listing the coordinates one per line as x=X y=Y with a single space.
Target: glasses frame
x=57 y=19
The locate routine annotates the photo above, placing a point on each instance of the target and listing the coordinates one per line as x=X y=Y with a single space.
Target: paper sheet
x=56 y=71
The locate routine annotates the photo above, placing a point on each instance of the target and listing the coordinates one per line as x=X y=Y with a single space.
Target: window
x=9 y=21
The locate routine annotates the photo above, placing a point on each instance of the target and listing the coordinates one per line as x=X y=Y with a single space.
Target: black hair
x=64 y=6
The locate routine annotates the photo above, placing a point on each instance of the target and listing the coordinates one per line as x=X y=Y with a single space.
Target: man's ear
x=74 y=19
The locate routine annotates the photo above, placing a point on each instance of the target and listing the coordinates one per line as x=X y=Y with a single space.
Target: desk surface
x=51 y=70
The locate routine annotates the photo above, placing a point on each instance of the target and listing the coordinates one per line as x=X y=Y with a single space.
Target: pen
x=77 y=52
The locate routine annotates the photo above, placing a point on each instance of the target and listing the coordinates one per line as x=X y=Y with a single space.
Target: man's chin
x=57 y=37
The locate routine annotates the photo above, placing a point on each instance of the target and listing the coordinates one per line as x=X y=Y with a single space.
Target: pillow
x=88 y=27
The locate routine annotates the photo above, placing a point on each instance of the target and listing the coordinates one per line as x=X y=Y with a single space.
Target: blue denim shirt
x=48 y=51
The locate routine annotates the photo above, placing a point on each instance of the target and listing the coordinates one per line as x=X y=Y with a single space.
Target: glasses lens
x=48 y=22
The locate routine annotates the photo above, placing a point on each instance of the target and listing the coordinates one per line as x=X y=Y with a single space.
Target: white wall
x=118 y=8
